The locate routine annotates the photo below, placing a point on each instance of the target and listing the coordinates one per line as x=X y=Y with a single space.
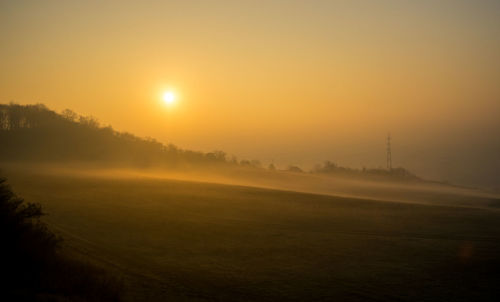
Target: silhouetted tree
x=294 y=169
x=27 y=245
x=70 y=115
x=255 y=163
x=32 y=262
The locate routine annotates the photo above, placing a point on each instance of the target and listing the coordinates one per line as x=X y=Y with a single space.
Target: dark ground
x=186 y=241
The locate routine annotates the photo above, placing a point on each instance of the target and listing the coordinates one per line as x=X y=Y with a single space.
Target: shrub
x=34 y=267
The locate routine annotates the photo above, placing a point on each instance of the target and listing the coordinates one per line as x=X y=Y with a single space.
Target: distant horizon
x=309 y=164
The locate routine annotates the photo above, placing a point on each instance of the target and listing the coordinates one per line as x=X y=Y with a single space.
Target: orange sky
x=291 y=81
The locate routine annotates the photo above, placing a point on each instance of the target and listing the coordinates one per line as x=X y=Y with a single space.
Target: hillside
x=34 y=133
x=190 y=241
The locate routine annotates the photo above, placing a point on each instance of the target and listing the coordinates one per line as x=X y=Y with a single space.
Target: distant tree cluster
x=294 y=169
x=330 y=168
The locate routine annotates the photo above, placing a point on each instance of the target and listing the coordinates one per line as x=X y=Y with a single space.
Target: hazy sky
x=291 y=81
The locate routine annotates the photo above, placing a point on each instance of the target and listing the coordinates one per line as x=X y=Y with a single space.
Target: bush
x=34 y=267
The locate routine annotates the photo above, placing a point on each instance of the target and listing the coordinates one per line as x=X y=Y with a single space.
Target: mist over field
x=38 y=139
x=396 y=191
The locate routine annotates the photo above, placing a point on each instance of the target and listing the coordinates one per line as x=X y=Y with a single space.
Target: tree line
x=330 y=168
x=34 y=132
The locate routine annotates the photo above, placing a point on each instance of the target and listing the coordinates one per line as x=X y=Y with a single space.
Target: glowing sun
x=168 y=97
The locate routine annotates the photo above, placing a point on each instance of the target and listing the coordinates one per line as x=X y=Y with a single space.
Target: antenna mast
x=389 y=155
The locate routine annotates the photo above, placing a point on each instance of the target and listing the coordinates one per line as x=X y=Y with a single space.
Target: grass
x=188 y=241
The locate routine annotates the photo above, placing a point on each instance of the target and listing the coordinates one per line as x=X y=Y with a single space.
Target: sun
x=168 y=97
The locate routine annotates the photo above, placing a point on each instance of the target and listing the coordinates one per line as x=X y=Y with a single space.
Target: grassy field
x=189 y=241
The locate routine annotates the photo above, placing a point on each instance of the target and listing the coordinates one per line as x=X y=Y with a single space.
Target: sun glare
x=168 y=97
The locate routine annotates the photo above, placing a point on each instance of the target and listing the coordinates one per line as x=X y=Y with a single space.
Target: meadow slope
x=173 y=240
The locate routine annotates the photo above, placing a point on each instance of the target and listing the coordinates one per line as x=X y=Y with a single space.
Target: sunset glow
x=277 y=150
x=169 y=97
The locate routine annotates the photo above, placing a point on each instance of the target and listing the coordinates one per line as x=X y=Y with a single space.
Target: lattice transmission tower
x=389 y=155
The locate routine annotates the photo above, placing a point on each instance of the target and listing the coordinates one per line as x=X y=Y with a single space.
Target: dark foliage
x=35 y=133
x=295 y=169
x=33 y=265
x=329 y=168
